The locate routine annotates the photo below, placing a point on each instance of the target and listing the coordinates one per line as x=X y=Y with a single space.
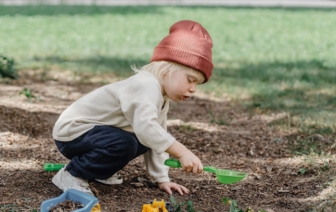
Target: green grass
x=272 y=59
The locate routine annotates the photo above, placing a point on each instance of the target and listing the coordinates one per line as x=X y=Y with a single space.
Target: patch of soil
x=220 y=132
x=66 y=206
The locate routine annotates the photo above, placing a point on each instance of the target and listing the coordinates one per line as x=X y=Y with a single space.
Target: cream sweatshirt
x=136 y=105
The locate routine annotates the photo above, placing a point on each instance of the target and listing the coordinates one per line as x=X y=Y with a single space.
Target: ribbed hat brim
x=190 y=59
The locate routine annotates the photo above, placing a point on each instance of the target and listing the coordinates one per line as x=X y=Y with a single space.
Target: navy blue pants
x=100 y=152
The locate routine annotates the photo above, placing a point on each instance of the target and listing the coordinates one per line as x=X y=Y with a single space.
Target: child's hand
x=191 y=163
x=168 y=186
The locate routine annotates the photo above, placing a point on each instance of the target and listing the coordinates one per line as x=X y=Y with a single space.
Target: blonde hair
x=159 y=68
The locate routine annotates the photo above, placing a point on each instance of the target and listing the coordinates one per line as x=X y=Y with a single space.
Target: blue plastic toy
x=90 y=202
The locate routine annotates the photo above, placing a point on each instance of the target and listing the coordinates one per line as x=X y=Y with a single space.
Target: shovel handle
x=210 y=169
x=173 y=163
x=176 y=164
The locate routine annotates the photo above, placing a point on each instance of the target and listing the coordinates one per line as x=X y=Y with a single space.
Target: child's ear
x=165 y=73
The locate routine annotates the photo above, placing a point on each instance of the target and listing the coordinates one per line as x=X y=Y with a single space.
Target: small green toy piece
x=223 y=176
x=49 y=167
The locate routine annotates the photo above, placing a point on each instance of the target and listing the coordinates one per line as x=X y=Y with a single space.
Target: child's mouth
x=185 y=97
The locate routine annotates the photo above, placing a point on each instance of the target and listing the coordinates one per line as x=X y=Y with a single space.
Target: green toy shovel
x=223 y=176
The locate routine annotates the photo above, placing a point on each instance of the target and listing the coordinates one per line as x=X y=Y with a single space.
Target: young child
x=104 y=130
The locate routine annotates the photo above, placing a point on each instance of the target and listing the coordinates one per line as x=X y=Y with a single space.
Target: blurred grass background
x=268 y=59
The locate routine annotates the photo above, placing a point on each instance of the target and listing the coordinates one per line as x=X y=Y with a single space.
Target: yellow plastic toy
x=155 y=207
x=96 y=208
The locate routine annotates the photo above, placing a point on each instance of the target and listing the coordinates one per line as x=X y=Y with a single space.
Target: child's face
x=180 y=84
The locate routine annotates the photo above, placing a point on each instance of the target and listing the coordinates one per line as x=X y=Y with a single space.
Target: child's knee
x=131 y=148
x=125 y=148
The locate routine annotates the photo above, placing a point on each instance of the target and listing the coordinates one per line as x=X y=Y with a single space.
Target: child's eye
x=191 y=80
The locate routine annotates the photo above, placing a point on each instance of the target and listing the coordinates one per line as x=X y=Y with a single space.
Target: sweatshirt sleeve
x=155 y=166
x=141 y=106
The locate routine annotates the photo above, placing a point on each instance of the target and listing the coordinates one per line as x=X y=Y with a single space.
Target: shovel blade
x=229 y=177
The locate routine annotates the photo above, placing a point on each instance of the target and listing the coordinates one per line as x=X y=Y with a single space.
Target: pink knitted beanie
x=189 y=44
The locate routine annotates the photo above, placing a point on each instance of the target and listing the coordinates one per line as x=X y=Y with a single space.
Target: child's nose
x=192 y=89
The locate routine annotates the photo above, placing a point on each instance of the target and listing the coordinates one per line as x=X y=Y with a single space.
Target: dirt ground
x=219 y=131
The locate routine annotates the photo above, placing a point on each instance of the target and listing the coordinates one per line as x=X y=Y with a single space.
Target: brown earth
x=221 y=132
